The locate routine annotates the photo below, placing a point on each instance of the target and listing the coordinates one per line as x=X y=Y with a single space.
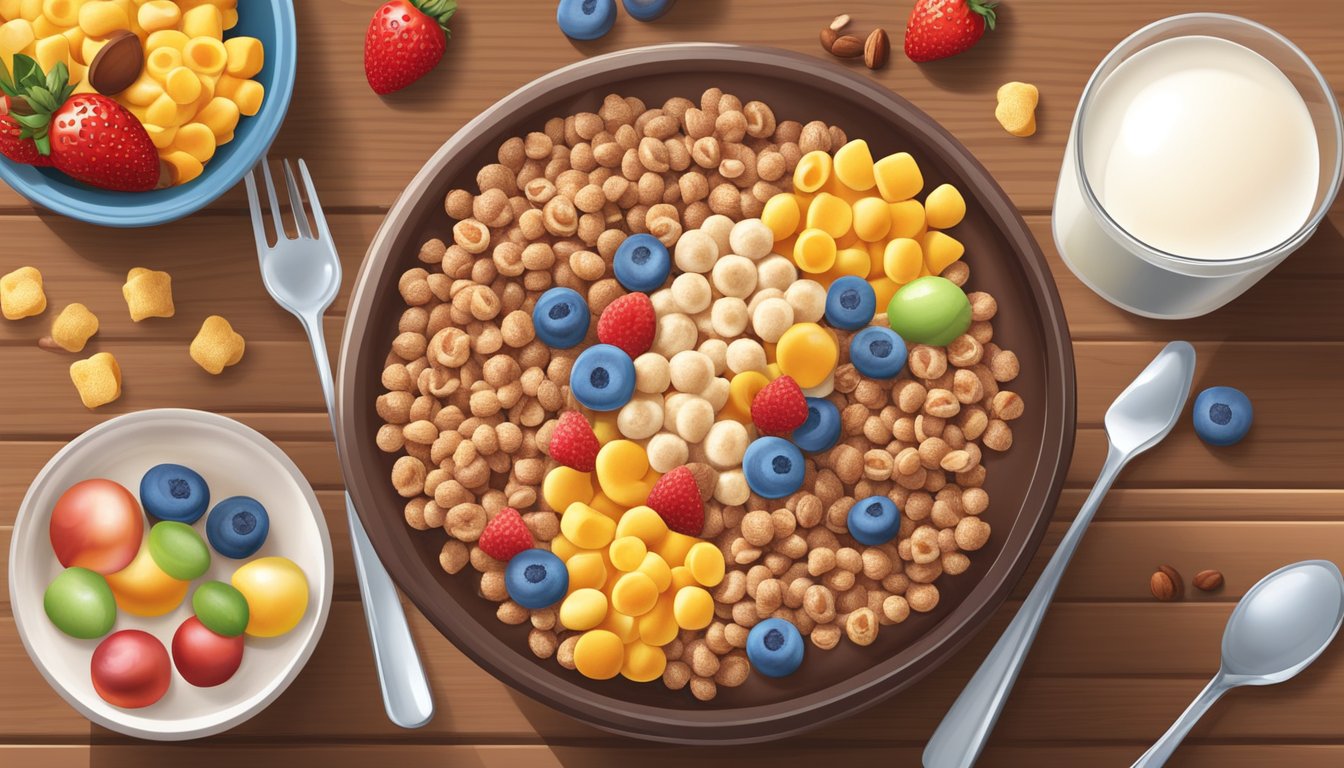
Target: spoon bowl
x=1152 y=404
x=1284 y=622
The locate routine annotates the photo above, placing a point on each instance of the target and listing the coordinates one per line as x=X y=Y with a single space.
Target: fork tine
x=276 y=213
x=258 y=220
x=318 y=215
x=296 y=202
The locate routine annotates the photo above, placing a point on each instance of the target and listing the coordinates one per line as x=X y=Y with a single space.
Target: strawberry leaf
x=439 y=10
x=7 y=82
x=985 y=9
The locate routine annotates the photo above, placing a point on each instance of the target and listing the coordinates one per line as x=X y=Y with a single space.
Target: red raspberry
x=505 y=535
x=779 y=408
x=676 y=499
x=573 y=443
x=628 y=323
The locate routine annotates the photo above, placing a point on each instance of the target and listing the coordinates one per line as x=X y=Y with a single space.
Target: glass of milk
x=1205 y=149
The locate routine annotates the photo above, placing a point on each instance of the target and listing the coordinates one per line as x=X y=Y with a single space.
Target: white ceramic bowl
x=235 y=460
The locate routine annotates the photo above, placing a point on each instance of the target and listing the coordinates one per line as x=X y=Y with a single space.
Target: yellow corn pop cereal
x=98 y=379
x=1016 y=111
x=217 y=345
x=148 y=293
x=73 y=327
x=944 y=207
x=21 y=294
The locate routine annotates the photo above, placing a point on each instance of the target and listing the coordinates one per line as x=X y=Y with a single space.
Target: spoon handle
x=966 y=726
x=1158 y=754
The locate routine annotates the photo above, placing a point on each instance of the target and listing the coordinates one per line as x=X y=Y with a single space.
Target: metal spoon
x=1138 y=419
x=1282 y=624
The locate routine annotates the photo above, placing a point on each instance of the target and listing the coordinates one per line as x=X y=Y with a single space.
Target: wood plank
x=624 y=753
x=1148 y=659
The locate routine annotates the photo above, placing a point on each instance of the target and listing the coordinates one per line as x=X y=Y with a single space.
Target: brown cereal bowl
x=1025 y=482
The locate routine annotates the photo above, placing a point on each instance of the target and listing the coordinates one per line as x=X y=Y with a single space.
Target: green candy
x=221 y=608
x=178 y=550
x=930 y=310
x=80 y=603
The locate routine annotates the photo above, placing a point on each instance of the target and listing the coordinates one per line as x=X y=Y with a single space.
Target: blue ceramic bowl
x=271 y=22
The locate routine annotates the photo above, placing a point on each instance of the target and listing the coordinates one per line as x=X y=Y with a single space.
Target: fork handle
x=967 y=725
x=406 y=695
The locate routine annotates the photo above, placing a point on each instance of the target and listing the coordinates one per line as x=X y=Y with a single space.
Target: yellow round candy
x=276 y=592
x=143 y=589
x=898 y=177
x=902 y=260
x=944 y=207
x=706 y=563
x=830 y=214
x=587 y=570
x=812 y=171
x=872 y=219
x=643 y=663
x=624 y=627
x=885 y=288
x=782 y=214
x=563 y=486
x=854 y=165
x=814 y=251
x=606 y=506
x=563 y=548
x=940 y=250
x=808 y=353
x=659 y=627
x=634 y=594
x=851 y=261
x=656 y=568
x=587 y=527
x=583 y=609
x=627 y=552
x=682 y=577
x=743 y=389
x=605 y=429
x=693 y=608
x=673 y=548
x=644 y=524
x=622 y=472
x=907 y=219
x=599 y=655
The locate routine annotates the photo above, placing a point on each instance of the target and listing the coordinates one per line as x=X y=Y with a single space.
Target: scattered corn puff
x=21 y=294
x=1016 y=111
x=217 y=346
x=98 y=379
x=148 y=293
x=73 y=327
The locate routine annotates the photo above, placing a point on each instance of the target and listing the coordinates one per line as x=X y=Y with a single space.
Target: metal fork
x=303 y=274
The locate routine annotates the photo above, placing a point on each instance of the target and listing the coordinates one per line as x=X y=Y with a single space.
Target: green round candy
x=80 y=603
x=179 y=550
x=221 y=608
x=930 y=310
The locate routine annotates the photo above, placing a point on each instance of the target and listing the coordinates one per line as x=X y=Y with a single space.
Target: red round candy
x=96 y=524
x=130 y=669
x=204 y=658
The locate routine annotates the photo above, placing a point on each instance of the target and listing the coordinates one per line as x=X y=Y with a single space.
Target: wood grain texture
x=1111 y=668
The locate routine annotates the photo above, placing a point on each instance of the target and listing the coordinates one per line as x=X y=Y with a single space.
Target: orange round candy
x=808 y=353
x=96 y=524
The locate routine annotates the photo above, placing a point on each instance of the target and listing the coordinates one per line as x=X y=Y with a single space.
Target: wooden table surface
x=1111 y=668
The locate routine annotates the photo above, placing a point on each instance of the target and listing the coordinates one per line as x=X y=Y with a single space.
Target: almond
x=828 y=37
x=1208 y=580
x=839 y=22
x=847 y=47
x=876 y=49
x=1166 y=584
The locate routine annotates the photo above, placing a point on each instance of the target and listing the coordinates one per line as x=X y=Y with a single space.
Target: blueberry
x=1222 y=415
x=642 y=263
x=822 y=428
x=874 y=520
x=775 y=648
x=647 y=10
x=773 y=467
x=561 y=318
x=585 y=19
x=850 y=303
x=174 y=492
x=602 y=378
x=536 y=579
x=878 y=352
x=237 y=527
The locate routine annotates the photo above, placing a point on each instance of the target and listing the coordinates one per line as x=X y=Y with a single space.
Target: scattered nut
x=1166 y=584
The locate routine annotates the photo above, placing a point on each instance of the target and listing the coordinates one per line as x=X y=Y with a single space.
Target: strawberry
x=779 y=408
x=941 y=28
x=628 y=323
x=88 y=136
x=12 y=144
x=676 y=499
x=505 y=535
x=573 y=443
x=406 y=40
